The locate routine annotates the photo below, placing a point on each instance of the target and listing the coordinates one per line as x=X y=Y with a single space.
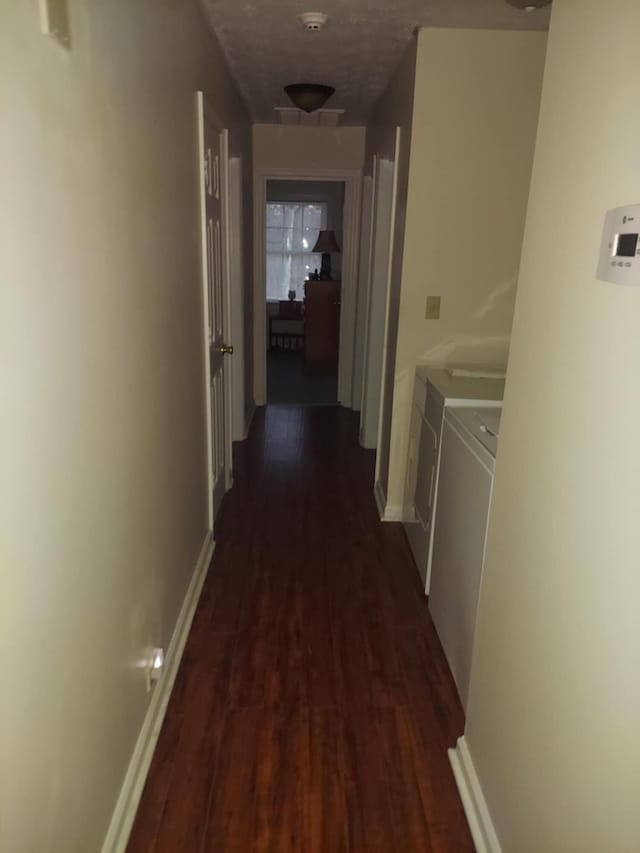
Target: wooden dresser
x=322 y=325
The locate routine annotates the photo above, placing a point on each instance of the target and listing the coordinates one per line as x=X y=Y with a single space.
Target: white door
x=213 y=195
x=389 y=339
x=379 y=275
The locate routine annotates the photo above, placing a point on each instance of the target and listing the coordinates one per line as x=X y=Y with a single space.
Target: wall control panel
x=620 y=248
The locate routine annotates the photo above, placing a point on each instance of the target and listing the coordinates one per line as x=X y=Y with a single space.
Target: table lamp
x=326 y=243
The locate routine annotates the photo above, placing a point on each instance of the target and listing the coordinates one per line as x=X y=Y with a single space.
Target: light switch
x=433 y=308
x=55 y=21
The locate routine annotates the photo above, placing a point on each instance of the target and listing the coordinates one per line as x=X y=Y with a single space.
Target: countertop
x=458 y=390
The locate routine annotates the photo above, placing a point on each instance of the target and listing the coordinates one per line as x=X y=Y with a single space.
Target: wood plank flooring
x=313 y=707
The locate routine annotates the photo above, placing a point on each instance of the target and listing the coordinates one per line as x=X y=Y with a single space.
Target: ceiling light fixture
x=529 y=5
x=309 y=96
x=313 y=21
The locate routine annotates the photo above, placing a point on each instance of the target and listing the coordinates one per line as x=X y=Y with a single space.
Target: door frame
x=367 y=291
x=362 y=302
x=387 y=382
x=202 y=103
x=352 y=180
x=237 y=287
x=378 y=298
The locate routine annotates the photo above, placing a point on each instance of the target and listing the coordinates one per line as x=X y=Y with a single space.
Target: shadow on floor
x=288 y=383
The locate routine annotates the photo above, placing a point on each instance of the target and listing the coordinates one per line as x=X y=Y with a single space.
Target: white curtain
x=292 y=231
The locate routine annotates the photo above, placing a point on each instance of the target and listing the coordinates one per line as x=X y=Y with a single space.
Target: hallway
x=289 y=383
x=313 y=707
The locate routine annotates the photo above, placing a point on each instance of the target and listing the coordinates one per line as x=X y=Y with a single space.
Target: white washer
x=435 y=391
x=467 y=462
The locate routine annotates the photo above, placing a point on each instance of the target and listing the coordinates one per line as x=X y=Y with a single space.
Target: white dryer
x=467 y=462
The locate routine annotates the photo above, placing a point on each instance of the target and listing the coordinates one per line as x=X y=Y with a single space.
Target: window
x=292 y=230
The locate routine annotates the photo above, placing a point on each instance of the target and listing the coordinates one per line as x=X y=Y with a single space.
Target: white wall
x=103 y=490
x=474 y=123
x=555 y=691
x=278 y=146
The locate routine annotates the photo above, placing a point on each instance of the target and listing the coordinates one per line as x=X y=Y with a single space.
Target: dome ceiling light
x=309 y=96
x=313 y=21
x=529 y=5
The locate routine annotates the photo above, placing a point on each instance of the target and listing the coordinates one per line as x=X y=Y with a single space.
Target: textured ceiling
x=357 y=51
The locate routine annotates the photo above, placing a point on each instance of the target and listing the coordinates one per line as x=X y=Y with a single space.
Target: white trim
x=226 y=288
x=362 y=297
x=387 y=512
x=237 y=279
x=249 y=420
x=369 y=265
x=378 y=304
x=349 y=295
x=394 y=512
x=381 y=499
x=475 y=806
x=380 y=448
x=205 y=301
x=352 y=179
x=131 y=791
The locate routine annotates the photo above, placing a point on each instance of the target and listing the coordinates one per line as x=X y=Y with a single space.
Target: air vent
x=322 y=118
x=529 y=5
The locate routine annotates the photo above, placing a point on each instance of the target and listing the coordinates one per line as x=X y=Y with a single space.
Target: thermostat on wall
x=620 y=249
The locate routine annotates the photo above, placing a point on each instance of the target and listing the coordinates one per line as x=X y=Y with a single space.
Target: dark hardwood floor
x=313 y=708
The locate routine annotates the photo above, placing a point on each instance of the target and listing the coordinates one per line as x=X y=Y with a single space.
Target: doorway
x=381 y=309
x=303 y=286
x=304 y=329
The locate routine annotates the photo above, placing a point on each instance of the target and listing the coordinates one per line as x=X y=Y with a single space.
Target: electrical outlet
x=433 y=308
x=154 y=667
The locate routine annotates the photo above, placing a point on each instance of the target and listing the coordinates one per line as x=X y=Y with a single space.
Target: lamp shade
x=309 y=96
x=326 y=242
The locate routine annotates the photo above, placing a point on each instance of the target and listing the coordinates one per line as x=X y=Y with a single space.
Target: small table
x=286 y=328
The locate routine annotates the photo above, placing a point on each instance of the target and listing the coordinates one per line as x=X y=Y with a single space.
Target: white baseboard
x=248 y=419
x=387 y=512
x=381 y=499
x=362 y=438
x=475 y=806
x=394 y=512
x=131 y=791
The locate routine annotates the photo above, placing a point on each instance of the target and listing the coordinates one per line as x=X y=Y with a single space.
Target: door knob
x=225 y=349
